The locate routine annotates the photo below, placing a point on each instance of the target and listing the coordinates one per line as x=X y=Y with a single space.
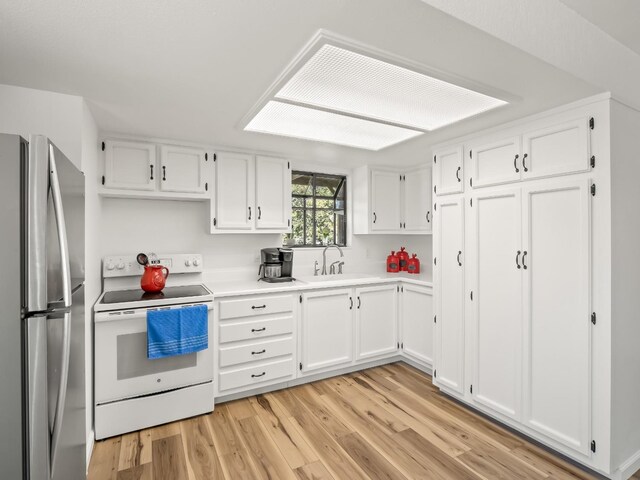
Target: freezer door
x=56 y=393
x=54 y=226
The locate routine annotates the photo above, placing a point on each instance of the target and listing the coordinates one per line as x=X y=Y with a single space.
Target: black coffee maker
x=276 y=265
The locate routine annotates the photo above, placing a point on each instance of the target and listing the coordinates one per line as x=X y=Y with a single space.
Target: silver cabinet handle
x=253 y=330
x=515 y=165
x=259 y=353
x=518 y=259
x=259 y=213
x=428 y=220
x=375 y=217
x=459 y=262
x=458 y=174
x=249 y=213
x=524 y=255
x=259 y=375
x=164 y=173
x=524 y=165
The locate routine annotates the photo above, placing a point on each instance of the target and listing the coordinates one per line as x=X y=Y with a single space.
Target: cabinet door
x=273 y=193
x=417 y=322
x=449 y=271
x=182 y=169
x=376 y=321
x=496 y=265
x=234 y=199
x=496 y=162
x=417 y=200
x=327 y=329
x=556 y=150
x=557 y=341
x=130 y=165
x=448 y=171
x=385 y=201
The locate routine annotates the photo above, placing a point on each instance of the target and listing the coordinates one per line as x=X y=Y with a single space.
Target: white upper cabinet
x=385 y=200
x=416 y=318
x=448 y=170
x=251 y=194
x=417 y=205
x=392 y=201
x=496 y=265
x=449 y=283
x=130 y=165
x=557 y=341
x=234 y=192
x=182 y=169
x=496 y=162
x=556 y=150
x=326 y=329
x=273 y=193
x=376 y=321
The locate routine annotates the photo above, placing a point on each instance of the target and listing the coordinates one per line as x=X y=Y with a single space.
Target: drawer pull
x=260 y=375
x=254 y=307
x=258 y=329
x=259 y=353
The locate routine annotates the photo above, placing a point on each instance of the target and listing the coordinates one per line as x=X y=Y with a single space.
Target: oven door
x=122 y=369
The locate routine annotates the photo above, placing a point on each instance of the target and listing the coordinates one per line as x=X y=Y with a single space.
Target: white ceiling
x=618 y=18
x=191 y=70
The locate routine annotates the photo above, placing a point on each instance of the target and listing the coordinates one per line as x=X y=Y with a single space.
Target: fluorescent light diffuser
x=295 y=121
x=345 y=81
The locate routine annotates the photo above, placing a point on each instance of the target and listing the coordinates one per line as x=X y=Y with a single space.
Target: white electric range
x=133 y=392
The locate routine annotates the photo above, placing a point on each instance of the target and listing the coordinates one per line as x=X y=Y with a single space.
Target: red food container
x=393 y=263
x=413 y=265
x=154 y=278
x=403 y=256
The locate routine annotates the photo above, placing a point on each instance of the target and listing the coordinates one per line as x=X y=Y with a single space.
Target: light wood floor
x=383 y=423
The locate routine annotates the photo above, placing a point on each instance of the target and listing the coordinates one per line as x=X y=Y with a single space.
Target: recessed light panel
x=308 y=123
x=342 y=80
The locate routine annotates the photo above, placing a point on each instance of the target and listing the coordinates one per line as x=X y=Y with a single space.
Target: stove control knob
x=121 y=266
x=110 y=266
x=196 y=262
x=187 y=263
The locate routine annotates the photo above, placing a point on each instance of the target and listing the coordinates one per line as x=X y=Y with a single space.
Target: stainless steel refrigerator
x=42 y=359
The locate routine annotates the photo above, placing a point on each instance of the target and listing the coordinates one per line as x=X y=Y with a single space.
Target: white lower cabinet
x=326 y=326
x=255 y=342
x=416 y=320
x=376 y=321
x=449 y=278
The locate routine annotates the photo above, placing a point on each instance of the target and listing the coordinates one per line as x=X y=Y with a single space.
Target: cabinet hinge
x=470 y=153
x=402 y=345
x=435 y=373
x=591 y=123
x=215 y=222
x=593 y=318
x=300 y=298
x=593 y=190
x=206 y=157
x=471 y=295
x=435 y=189
x=435 y=207
x=288 y=222
x=402 y=289
x=435 y=319
x=593 y=161
x=434 y=159
x=215 y=157
x=398 y=346
x=398 y=289
x=471 y=181
x=103 y=146
x=471 y=389
x=300 y=365
x=593 y=442
x=471 y=202
x=206 y=187
x=103 y=179
x=435 y=262
x=400 y=177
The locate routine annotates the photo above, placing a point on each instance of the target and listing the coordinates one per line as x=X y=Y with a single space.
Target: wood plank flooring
x=383 y=423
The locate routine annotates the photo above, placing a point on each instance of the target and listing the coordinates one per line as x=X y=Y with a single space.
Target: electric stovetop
x=168 y=293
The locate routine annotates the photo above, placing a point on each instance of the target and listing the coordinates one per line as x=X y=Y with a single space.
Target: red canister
x=403 y=256
x=413 y=265
x=393 y=263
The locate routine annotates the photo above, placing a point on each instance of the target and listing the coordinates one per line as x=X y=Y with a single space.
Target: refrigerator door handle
x=61 y=227
x=62 y=388
x=38 y=411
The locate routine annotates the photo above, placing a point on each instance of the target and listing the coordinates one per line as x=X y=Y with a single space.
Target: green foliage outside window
x=319 y=203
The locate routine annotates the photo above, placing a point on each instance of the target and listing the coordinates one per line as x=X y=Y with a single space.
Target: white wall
x=26 y=111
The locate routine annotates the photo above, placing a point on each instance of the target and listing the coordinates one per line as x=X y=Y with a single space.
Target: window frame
x=313 y=209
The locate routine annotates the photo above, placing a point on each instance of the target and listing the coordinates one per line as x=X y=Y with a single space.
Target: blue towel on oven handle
x=177 y=331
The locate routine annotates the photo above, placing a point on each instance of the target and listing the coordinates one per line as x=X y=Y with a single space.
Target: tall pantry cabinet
x=535 y=278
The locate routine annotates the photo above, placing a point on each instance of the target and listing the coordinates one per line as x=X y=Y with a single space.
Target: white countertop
x=248 y=287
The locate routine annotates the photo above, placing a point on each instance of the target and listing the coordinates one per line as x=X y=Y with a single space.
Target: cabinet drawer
x=256 y=351
x=255 y=329
x=256 y=374
x=247 y=307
